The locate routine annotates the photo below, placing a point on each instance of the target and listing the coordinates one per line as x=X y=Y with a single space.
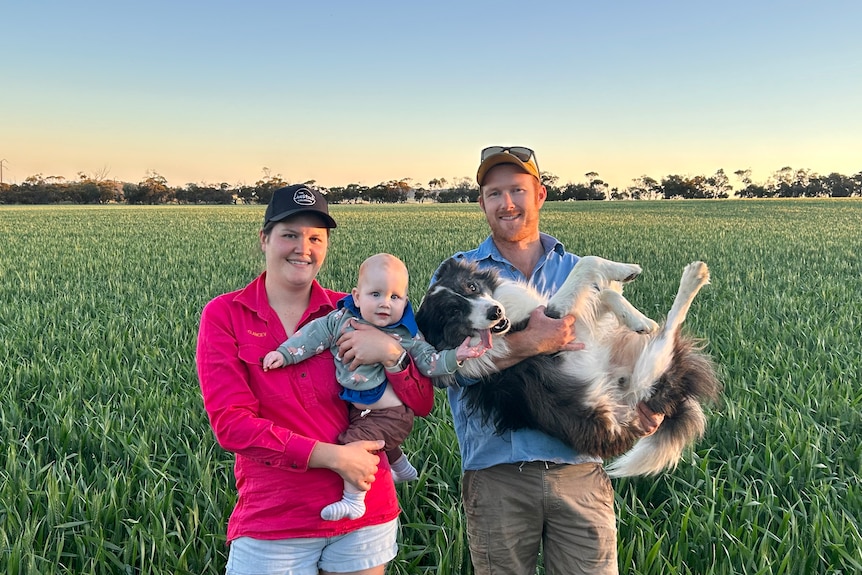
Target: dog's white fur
x=626 y=352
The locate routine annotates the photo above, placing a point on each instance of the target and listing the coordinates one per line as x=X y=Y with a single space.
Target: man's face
x=511 y=200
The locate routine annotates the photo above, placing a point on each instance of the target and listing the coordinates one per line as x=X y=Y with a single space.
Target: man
x=524 y=491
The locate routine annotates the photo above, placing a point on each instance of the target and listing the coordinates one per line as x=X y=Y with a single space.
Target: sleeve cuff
x=297 y=455
x=400 y=365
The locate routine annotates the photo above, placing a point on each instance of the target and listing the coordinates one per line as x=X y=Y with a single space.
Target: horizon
x=734 y=181
x=352 y=94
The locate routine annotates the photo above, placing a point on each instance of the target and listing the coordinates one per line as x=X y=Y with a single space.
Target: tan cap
x=522 y=157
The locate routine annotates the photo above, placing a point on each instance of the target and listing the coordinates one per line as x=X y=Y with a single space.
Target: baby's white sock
x=402 y=470
x=352 y=505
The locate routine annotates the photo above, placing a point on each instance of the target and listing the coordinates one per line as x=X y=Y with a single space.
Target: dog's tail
x=663 y=449
x=683 y=388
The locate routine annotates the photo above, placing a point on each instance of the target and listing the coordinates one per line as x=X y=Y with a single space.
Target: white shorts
x=361 y=549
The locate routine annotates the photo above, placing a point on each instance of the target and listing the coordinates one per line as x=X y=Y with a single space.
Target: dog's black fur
x=547 y=392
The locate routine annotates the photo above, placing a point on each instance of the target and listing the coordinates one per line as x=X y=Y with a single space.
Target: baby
x=376 y=412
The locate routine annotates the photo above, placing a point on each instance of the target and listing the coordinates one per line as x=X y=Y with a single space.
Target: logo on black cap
x=297 y=198
x=304 y=197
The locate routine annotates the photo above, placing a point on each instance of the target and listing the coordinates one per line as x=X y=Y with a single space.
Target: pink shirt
x=272 y=420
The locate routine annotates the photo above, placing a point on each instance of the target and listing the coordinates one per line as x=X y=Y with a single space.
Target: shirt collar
x=253 y=296
x=488 y=249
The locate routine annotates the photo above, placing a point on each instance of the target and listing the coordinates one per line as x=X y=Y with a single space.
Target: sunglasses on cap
x=520 y=152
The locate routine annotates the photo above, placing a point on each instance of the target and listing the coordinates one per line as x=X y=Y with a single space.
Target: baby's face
x=381 y=295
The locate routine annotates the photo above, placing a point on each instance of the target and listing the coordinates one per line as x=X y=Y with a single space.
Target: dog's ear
x=447 y=268
x=431 y=323
x=491 y=277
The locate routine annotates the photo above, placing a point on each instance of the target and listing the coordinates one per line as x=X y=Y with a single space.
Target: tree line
x=154 y=189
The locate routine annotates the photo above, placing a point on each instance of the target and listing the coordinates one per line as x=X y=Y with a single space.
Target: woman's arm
x=355 y=462
x=232 y=406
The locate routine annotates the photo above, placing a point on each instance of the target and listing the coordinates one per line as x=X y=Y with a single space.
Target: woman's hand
x=366 y=345
x=355 y=462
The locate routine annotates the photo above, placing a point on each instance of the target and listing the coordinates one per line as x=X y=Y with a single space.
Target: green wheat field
x=108 y=465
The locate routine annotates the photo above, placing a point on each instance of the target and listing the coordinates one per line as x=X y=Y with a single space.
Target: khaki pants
x=514 y=509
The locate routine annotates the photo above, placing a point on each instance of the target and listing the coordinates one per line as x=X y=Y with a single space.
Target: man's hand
x=649 y=419
x=542 y=335
x=552 y=335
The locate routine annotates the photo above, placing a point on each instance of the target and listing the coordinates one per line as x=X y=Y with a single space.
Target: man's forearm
x=520 y=348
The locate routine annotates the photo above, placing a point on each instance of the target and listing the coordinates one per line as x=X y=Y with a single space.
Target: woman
x=283 y=424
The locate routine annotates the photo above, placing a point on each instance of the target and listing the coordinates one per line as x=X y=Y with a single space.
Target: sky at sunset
x=364 y=92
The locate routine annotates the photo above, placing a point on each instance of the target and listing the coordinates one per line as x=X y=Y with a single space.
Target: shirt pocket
x=252 y=355
x=285 y=387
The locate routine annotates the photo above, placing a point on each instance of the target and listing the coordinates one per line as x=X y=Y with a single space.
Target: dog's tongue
x=485 y=335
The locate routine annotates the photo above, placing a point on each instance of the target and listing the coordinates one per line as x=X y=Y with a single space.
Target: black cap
x=297 y=199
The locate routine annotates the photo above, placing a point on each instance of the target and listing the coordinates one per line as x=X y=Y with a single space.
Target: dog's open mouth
x=486 y=335
x=501 y=326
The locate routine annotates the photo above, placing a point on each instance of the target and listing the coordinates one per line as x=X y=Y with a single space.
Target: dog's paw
x=634 y=273
x=696 y=272
x=615 y=271
x=624 y=272
x=645 y=326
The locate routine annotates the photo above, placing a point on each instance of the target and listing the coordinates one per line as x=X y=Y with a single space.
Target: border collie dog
x=586 y=398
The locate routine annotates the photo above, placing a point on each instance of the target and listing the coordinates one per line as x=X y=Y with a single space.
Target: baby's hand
x=467 y=351
x=272 y=360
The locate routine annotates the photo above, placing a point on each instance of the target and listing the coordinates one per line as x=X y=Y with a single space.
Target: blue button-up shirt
x=481 y=445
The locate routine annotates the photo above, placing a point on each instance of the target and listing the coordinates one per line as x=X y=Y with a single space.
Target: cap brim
x=330 y=223
x=503 y=158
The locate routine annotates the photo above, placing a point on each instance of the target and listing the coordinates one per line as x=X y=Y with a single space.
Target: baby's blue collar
x=408 y=320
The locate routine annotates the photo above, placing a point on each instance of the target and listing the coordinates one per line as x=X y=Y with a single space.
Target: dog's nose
x=495 y=312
